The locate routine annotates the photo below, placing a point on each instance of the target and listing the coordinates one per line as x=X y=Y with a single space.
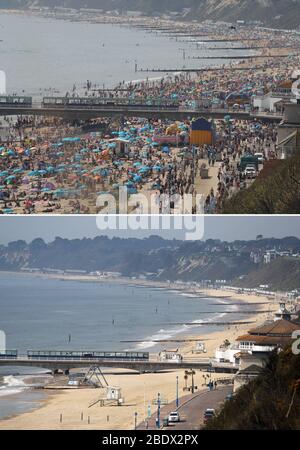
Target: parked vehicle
x=260 y=157
x=209 y=413
x=246 y=160
x=174 y=417
x=250 y=172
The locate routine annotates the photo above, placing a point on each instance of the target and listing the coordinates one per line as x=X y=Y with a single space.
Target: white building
x=267 y=102
x=170 y=356
x=269 y=256
x=2 y=83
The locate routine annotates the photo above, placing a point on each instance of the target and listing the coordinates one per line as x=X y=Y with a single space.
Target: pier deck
x=140 y=366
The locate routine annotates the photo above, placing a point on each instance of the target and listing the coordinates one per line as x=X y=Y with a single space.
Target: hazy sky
x=217 y=227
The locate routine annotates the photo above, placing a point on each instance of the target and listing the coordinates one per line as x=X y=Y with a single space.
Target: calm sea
x=40 y=53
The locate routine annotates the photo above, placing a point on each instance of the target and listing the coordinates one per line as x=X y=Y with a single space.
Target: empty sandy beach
x=138 y=390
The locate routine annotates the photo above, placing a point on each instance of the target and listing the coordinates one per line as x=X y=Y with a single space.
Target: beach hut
x=201 y=132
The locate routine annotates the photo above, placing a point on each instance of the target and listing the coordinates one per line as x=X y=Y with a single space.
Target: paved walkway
x=191 y=409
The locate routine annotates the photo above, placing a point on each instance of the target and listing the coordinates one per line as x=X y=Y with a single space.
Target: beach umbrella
x=137 y=164
x=155 y=186
x=33 y=173
x=8 y=211
x=137 y=178
x=20 y=170
x=4 y=173
x=70 y=139
x=42 y=172
x=166 y=149
x=50 y=186
x=132 y=190
x=156 y=168
x=56 y=144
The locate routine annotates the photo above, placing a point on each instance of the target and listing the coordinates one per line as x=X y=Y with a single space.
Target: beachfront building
x=289 y=128
x=227 y=354
x=2 y=83
x=290 y=145
x=255 y=346
x=258 y=343
x=170 y=356
x=270 y=256
x=269 y=102
x=264 y=339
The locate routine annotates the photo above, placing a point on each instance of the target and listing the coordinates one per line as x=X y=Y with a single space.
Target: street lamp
x=177 y=395
x=158 y=411
x=135 y=420
x=193 y=386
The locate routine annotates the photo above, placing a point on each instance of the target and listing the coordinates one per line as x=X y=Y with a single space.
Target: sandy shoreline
x=138 y=390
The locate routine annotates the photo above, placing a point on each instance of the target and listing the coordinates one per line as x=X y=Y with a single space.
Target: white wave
x=160 y=335
x=12 y=385
x=163 y=334
x=186 y=294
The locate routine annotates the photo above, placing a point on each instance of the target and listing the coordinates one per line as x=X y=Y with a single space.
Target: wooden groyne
x=231 y=312
x=242 y=304
x=201 y=69
x=220 y=40
x=221 y=324
x=242 y=57
x=164 y=340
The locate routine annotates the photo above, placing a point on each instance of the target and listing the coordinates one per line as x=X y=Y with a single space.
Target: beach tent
x=201 y=132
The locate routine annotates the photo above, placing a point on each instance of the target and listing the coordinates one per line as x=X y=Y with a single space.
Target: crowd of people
x=49 y=165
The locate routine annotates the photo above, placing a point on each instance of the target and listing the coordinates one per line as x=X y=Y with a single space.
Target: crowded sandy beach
x=51 y=165
x=139 y=390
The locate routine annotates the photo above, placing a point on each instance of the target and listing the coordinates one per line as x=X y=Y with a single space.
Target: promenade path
x=191 y=409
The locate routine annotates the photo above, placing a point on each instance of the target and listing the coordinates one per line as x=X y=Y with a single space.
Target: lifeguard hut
x=114 y=393
x=200 y=347
x=202 y=132
x=113 y=396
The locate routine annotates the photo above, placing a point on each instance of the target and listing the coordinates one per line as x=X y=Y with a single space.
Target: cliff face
x=275 y=13
x=161 y=259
